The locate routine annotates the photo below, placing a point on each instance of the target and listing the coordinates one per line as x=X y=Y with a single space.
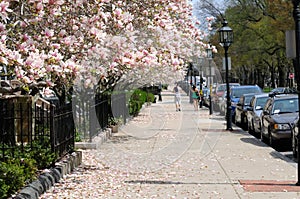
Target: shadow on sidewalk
x=173 y=182
x=120 y=138
x=254 y=141
x=278 y=155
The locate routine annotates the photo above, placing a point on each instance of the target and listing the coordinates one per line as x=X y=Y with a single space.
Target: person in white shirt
x=177 y=97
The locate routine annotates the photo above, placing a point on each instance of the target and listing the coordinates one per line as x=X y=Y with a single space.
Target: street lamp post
x=296 y=13
x=201 y=80
x=209 y=55
x=190 y=83
x=225 y=40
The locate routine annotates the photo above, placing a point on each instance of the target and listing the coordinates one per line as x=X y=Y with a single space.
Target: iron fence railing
x=92 y=113
x=24 y=122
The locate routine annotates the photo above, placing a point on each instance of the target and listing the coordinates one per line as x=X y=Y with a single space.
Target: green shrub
x=14 y=174
x=137 y=99
x=21 y=168
x=40 y=151
x=139 y=95
x=150 y=97
x=4 y=188
x=78 y=136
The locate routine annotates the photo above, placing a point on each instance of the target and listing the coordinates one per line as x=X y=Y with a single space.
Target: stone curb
x=49 y=177
x=97 y=141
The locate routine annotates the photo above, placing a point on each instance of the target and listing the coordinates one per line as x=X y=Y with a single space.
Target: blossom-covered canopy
x=59 y=42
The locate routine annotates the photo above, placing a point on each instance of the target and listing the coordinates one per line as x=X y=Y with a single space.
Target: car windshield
x=285 y=106
x=247 y=99
x=237 y=93
x=261 y=101
x=280 y=90
x=221 y=88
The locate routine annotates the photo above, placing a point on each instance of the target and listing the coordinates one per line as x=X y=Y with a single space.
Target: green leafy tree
x=258 y=52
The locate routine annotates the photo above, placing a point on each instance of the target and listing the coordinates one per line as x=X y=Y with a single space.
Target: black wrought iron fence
x=62 y=129
x=23 y=122
x=92 y=113
x=119 y=106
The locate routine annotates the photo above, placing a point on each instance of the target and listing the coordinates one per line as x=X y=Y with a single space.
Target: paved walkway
x=188 y=154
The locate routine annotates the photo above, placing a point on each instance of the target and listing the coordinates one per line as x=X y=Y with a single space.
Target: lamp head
x=225 y=35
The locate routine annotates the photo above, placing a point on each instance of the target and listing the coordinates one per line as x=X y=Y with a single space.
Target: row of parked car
x=271 y=116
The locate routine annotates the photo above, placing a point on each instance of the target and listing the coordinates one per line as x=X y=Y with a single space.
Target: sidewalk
x=188 y=154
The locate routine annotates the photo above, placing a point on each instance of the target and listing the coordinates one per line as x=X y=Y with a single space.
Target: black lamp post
x=296 y=13
x=209 y=55
x=226 y=39
x=191 y=82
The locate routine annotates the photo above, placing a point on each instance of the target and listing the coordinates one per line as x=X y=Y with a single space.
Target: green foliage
x=150 y=97
x=115 y=121
x=42 y=153
x=258 y=50
x=4 y=188
x=78 y=136
x=22 y=168
x=137 y=99
x=267 y=89
x=14 y=174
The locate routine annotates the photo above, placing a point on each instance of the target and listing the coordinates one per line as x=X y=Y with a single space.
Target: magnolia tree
x=94 y=43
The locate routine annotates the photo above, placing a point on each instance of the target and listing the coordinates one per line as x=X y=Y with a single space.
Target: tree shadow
x=161 y=182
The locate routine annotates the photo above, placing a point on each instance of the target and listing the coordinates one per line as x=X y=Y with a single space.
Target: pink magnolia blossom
x=49 y=33
x=133 y=36
x=4 y=8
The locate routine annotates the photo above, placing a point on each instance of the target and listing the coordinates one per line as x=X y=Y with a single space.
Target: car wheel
x=236 y=121
x=271 y=140
x=250 y=127
x=245 y=123
x=262 y=137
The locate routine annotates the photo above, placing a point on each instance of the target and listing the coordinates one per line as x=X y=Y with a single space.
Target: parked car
x=255 y=108
x=205 y=97
x=284 y=90
x=278 y=118
x=222 y=104
x=219 y=91
x=237 y=91
x=241 y=110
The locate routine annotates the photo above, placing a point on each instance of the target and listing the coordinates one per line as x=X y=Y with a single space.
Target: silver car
x=254 y=111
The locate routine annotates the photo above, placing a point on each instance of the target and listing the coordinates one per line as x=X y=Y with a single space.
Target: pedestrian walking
x=177 y=98
x=195 y=97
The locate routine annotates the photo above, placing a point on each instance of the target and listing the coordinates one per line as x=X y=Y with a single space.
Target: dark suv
x=237 y=92
x=278 y=118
